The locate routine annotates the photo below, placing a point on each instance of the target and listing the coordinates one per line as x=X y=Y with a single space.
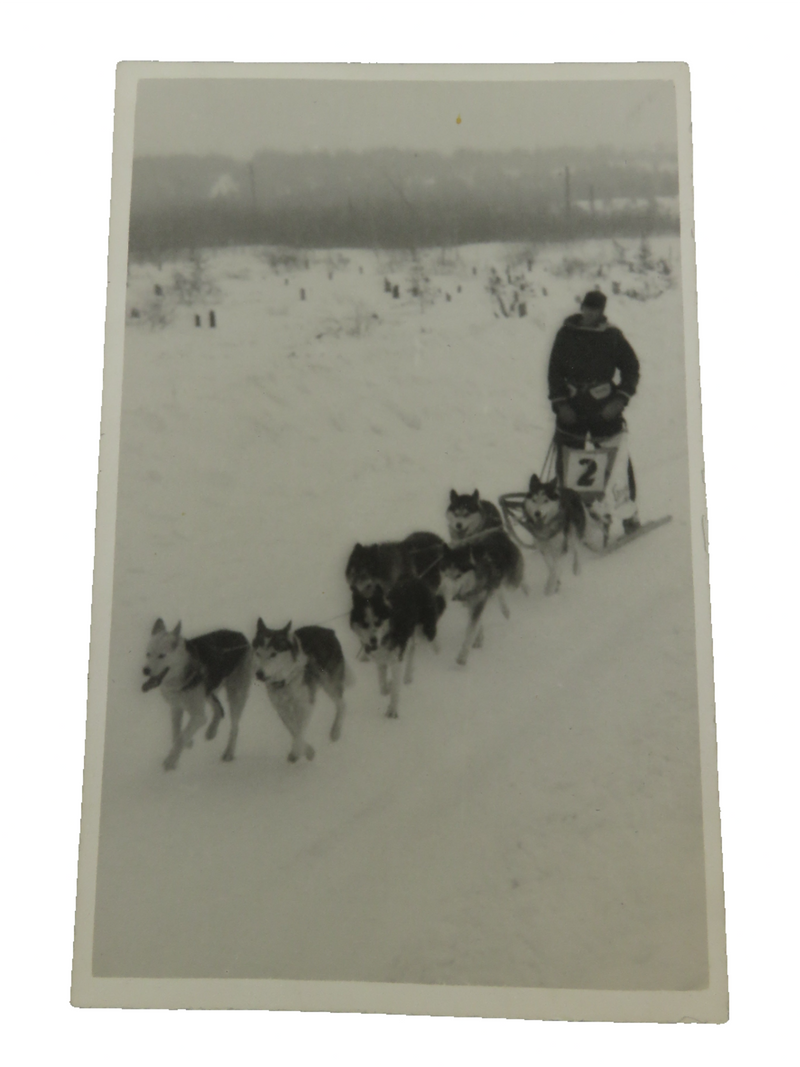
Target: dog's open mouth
x=154 y=680
x=270 y=680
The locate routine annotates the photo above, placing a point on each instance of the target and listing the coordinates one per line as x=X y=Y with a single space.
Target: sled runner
x=640 y=531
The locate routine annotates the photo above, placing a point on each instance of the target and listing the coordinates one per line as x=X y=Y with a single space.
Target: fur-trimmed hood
x=575 y=322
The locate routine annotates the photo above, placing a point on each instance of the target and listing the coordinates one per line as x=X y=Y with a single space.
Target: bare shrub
x=196 y=286
x=357 y=323
x=421 y=287
x=284 y=260
x=570 y=266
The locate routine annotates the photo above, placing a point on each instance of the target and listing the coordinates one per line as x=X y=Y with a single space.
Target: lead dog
x=387 y=626
x=557 y=521
x=191 y=672
x=477 y=570
x=294 y=665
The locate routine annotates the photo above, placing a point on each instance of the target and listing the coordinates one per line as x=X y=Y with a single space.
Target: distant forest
x=394 y=199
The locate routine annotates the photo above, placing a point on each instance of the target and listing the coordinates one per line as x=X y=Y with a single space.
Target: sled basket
x=520 y=528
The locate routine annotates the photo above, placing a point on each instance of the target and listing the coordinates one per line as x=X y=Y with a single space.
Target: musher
x=592 y=375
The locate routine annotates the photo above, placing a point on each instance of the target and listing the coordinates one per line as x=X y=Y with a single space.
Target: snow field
x=532 y=819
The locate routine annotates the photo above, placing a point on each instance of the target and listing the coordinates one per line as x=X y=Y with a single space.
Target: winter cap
x=594 y=299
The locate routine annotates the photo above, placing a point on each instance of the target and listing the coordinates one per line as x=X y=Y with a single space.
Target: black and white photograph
x=400 y=690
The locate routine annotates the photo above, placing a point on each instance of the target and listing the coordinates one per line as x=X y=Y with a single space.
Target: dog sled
x=601 y=477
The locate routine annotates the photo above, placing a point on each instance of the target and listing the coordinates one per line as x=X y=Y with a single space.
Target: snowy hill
x=532 y=819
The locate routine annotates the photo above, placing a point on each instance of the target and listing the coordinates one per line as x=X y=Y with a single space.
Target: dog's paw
x=336 y=733
x=525 y=588
x=461 y=659
x=310 y=753
x=504 y=609
x=227 y=756
x=211 y=733
x=171 y=762
x=292 y=758
x=391 y=713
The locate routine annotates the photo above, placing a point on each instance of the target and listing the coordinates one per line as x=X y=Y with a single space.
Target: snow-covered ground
x=533 y=819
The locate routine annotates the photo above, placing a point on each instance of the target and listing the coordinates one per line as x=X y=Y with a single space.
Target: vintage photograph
x=400 y=692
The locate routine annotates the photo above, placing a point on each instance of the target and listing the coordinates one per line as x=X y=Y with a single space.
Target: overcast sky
x=241 y=117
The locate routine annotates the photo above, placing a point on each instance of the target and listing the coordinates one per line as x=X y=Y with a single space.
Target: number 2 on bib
x=585 y=472
x=586 y=480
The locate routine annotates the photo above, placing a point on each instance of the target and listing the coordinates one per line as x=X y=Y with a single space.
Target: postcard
x=400 y=692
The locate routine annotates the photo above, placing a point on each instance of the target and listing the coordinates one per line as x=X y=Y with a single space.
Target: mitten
x=566 y=415
x=613 y=408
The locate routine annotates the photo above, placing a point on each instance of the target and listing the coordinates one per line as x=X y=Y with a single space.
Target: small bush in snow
x=196 y=286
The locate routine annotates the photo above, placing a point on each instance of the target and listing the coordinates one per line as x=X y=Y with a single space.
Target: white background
x=58 y=83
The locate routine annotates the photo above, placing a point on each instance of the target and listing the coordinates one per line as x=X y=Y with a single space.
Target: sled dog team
x=399 y=591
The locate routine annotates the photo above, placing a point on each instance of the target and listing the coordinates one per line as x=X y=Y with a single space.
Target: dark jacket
x=588 y=366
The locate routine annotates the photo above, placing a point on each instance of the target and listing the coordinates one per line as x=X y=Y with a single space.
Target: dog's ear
x=287 y=628
x=476 y=497
x=453 y=496
x=261 y=629
x=177 y=631
x=552 y=488
x=534 y=485
x=158 y=627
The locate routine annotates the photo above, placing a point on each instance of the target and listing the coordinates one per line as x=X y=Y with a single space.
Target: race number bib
x=585 y=472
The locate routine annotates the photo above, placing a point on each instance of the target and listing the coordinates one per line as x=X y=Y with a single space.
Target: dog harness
x=193 y=677
x=281 y=683
x=548 y=531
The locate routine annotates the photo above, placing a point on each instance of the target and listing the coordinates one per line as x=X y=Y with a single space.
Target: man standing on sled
x=592 y=375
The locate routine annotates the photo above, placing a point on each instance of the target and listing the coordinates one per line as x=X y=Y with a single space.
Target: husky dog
x=387 y=626
x=191 y=672
x=294 y=664
x=468 y=515
x=381 y=566
x=557 y=521
x=477 y=570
